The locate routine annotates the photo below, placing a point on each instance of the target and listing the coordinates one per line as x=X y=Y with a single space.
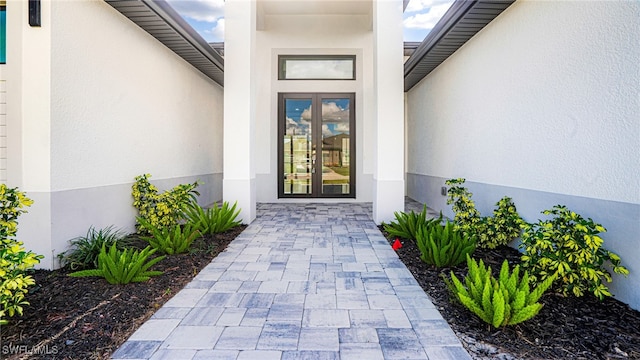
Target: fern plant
x=212 y=220
x=406 y=225
x=570 y=247
x=84 y=250
x=176 y=239
x=442 y=245
x=507 y=300
x=123 y=266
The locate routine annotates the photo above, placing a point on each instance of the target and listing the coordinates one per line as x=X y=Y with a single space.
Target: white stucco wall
x=114 y=103
x=129 y=103
x=545 y=98
x=544 y=103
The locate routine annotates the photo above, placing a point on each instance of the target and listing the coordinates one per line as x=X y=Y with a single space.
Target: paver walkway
x=303 y=281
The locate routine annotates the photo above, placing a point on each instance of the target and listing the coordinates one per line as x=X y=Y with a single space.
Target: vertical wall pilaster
x=28 y=86
x=239 y=106
x=388 y=71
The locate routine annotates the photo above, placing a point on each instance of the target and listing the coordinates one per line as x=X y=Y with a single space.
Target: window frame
x=3 y=31
x=282 y=62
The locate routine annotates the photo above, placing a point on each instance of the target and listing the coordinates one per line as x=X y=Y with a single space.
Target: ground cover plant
x=84 y=250
x=506 y=300
x=442 y=245
x=406 y=224
x=123 y=266
x=214 y=219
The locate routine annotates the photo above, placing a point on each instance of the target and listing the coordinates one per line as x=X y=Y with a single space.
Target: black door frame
x=316 y=100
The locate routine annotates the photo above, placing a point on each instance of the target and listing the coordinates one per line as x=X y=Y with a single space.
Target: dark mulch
x=565 y=328
x=87 y=318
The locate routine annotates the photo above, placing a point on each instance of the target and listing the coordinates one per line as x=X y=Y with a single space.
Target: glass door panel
x=316 y=146
x=336 y=146
x=297 y=146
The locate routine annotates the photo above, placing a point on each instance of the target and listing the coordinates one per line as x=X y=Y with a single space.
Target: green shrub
x=569 y=247
x=407 y=224
x=15 y=261
x=490 y=232
x=213 y=220
x=176 y=239
x=84 y=250
x=504 y=226
x=163 y=209
x=442 y=245
x=499 y=302
x=123 y=266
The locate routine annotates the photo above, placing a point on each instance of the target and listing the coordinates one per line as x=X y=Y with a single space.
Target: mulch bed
x=87 y=318
x=565 y=328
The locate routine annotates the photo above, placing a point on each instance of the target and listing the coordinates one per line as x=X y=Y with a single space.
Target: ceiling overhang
x=459 y=24
x=159 y=19
x=316 y=8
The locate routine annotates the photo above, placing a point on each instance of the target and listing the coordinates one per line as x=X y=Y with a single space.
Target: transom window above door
x=316 y=67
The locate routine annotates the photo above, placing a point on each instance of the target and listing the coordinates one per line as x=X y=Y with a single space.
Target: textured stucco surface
x=541 y=105
x=545 y=98
x=96 y=101
x=128 y=105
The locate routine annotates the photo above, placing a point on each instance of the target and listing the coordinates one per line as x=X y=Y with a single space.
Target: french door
x=316 y=145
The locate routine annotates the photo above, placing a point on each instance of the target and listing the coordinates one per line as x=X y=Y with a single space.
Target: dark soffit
x=159 y=19
x=459 y=24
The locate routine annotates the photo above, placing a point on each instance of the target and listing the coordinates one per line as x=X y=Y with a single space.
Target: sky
x=207 y=17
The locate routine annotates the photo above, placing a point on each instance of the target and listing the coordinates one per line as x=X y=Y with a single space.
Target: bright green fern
x=123 y=266
x=406 y=225
x=442 y=245
x=499 y=302
x=212 y=220
x=174 y=239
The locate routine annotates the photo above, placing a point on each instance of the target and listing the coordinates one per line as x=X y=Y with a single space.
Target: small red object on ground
x=396 y=244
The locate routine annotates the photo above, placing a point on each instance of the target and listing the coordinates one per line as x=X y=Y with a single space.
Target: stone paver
x=303 y=281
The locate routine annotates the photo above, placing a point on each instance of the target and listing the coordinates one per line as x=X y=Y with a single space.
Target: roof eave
x=441 y=38
x=161 y=21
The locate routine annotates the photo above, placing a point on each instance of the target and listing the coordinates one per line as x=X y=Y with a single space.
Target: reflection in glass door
x=316 y=146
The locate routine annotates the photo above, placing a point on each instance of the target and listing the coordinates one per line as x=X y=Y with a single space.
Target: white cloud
x=326 y=132
x=218 y=30
x=424 y=5
x=331 y=112
x=200 y=10
x=429 y=19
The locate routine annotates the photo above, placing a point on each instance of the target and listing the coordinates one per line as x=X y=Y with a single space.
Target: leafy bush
x=15 y=261
x=490 y=232
x=163 y=209
x=406 y=224
x=505 y=225
x=84 y=250
x=213 y=220
x=176 y=239
x=499 y=302
x=442 y=245
x=123 y=266
x=569 y=247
